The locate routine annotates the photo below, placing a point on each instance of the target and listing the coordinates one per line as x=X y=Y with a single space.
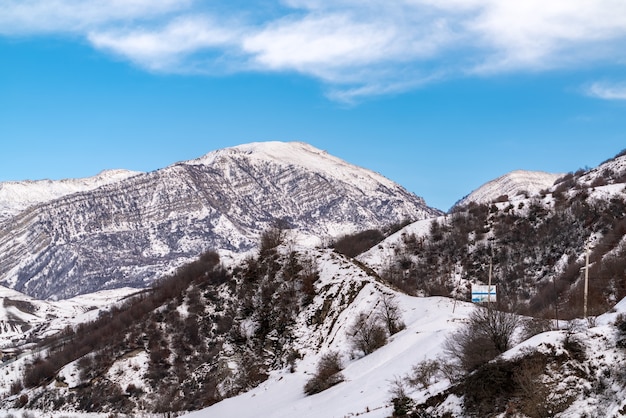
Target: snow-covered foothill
x=382 y=254
x=365 y=391
x=23 y=317
x=518 y=182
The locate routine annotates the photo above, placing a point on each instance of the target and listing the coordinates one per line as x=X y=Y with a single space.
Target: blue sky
x=438 y=96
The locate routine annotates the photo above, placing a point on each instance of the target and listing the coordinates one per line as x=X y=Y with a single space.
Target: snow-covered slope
x=130 y=232
x=385 y=252
x=24 y=319
x=302 y=155
x=368 y=380
x=16 y=196
x=365 y=391
x=511 y=184
x=610 y=172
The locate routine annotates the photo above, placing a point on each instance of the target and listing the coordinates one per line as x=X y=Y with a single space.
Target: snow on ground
x=511 y=184
x=45 y=318
x=365 y=390
x=381 y=255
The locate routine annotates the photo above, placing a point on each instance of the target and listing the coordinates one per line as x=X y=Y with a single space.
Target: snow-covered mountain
x=139 y=226
x=247 y=338
x=512 y=184
x=16 y=196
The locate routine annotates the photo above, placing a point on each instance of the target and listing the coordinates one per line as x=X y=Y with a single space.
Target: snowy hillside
x=612 y=171
x=368 y=380
x=380 y=256
x=343 y=291
x=132 y=231
x=16 y=196
x=24 y=319
x=515 y=183
x=579 y=358
x=365 y=391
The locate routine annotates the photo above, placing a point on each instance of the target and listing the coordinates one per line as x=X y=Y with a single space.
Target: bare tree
x=390 y=314
x=273 y=236
x=488 y=334
x=368 y=334
x=402 y=402
x=328 y=374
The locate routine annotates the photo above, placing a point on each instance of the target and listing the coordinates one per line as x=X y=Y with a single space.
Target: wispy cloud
x=27 y=17
x=607 y=91
x=357 y=48
x=167 y=48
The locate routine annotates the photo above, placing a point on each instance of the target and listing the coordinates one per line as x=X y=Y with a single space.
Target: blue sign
x=483 y=293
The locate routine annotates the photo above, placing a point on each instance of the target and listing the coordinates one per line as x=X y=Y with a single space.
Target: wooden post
x=586 y=282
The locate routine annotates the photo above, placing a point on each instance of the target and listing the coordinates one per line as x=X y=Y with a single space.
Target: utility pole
x=556 y=302
x=489 y=284
x=457 y=274
x=586 y=282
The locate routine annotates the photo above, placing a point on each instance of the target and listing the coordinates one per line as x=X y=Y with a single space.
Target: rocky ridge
x=132 y=231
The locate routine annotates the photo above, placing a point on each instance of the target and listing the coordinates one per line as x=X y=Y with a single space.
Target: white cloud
x=356 y=47
x=607 y=91
x=539 y=34
x=324 y=41
x=24 y=17
x=166 y=49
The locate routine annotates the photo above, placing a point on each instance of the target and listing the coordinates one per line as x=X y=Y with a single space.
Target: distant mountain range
x=65 y=238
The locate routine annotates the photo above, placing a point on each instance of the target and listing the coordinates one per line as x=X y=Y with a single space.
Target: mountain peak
x=511 y=184
x=132 y=231
x=298 y=154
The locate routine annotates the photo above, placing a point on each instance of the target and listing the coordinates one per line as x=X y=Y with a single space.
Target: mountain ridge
x=509 y=185
x=130 y=232
x=19 y=195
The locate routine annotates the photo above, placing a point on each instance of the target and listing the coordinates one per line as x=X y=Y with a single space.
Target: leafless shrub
x=390 y=314
x=592 y=321
x=16 y=387
x=534 y=326
x=402 y=402
x=38 y=372
x=328 y=374
x=273 y=236
x=367 y=333
x=451 y=370
x=488 y=334
x=354 y=244
x=423 y=373
x=22 y=401
x=532 y=391
x=512 y=386
x=251 y=373
x=573 y=343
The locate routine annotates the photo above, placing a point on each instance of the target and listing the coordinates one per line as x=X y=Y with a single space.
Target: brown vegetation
x=327 y=374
